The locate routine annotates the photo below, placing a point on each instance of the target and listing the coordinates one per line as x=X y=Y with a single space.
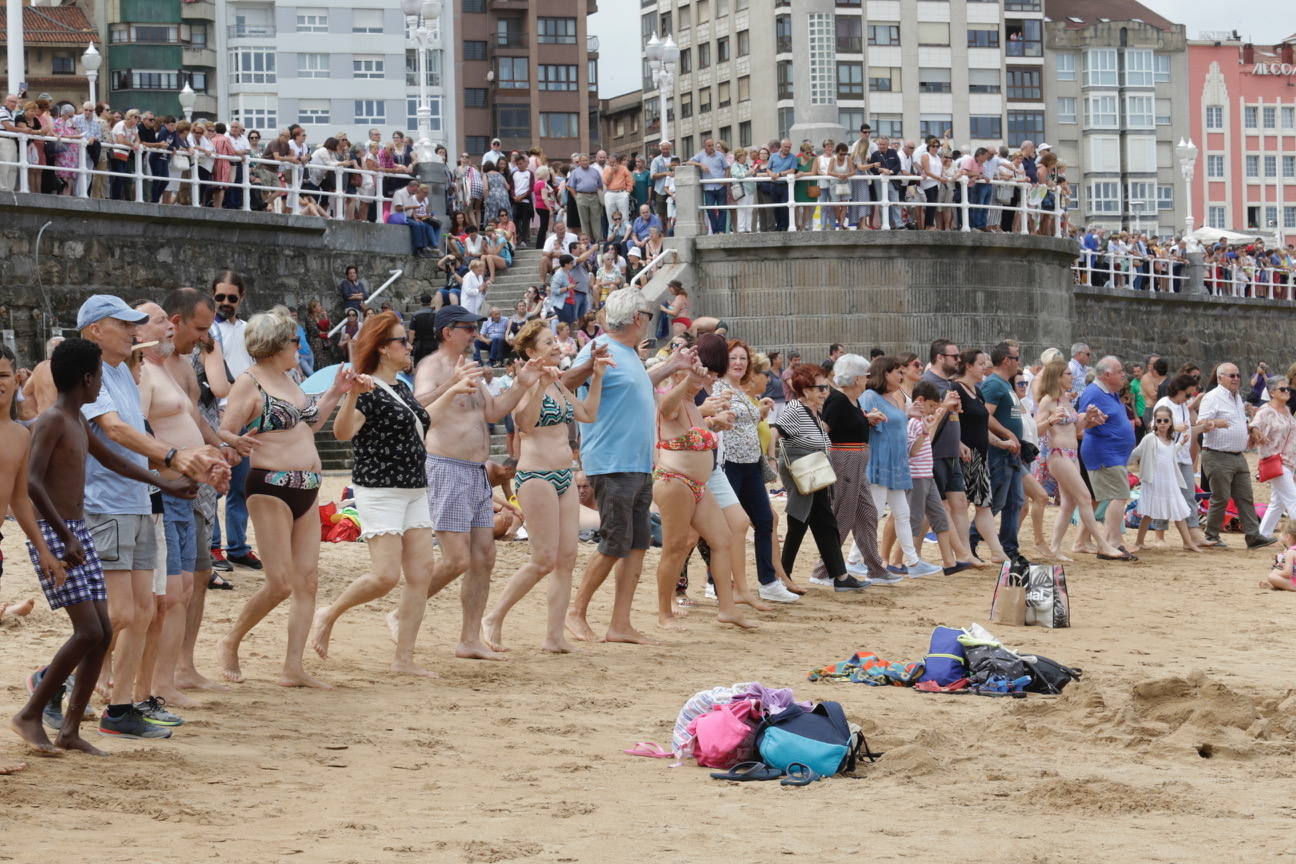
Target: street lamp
x=1187 y=153
x=663 y=57
x=1137 y=207
x=187 y=99
x=420 y=13
x=91 y=61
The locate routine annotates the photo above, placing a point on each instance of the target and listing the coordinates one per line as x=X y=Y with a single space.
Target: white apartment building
x=964 y=68
x=331 y=66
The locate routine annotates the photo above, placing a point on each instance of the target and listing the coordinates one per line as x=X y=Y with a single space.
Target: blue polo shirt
x=779 y=163
x=713 y=167
x=621 y=438
x=106 y=491
x=1110 y=444
x=585 y=179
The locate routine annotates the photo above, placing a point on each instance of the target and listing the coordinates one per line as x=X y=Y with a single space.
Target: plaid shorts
x=83 y=583
x=459 y=495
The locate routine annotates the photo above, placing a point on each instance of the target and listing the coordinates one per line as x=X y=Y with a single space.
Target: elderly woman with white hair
x=282 y=486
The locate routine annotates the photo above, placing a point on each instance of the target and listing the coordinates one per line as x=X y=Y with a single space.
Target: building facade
x=1116 y=75
x=54 y=38
x=155 y=47
x=528 y=75
x=621 y=124
x=958 y=68
x=1242 y=101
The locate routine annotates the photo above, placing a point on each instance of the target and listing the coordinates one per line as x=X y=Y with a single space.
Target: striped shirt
x=920 y=463
x=799 y=428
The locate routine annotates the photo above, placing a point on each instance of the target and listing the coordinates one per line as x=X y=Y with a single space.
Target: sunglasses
x=227 y=298
x=822 y=388
x=1161 y=420
x=1283 y=389
x=1232 y=375
x=471 y=328
x=951 y=356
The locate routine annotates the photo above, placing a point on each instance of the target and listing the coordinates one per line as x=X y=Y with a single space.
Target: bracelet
x=171 y=454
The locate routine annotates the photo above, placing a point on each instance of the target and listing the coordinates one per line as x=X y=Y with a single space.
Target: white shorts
x=720 y=489
x=391 y=511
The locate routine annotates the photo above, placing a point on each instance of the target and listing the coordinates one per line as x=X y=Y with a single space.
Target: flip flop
x=219 y=583
x=748 y=771
x=800 y=774
x=650 y=749
x=1125 y=557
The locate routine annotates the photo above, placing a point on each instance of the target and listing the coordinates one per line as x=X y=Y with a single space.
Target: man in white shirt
x=472 y=294
x=494 y=156
x=1223 y=459
x=405 y=198
x=559 y=243
x=523 y=211
x=660 y=169
x=9 y=146
x=1079 y=370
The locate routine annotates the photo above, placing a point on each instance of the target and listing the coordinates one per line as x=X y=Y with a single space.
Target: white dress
x=1160 y=480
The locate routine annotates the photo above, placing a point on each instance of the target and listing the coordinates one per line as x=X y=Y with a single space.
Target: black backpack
x=1048 y=676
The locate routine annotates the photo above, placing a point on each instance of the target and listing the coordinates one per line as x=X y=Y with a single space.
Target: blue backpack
x=821 y=739
x=946 y=661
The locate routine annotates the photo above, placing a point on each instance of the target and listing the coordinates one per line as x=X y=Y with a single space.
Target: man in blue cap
x=118 y=513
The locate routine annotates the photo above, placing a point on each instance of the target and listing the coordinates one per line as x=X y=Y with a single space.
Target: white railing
x=894 y=198
x=1158 y=275
x=641 y=278
x=294 y=178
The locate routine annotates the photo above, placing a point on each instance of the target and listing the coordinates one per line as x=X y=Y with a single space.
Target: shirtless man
x=458 y=489
x=38 y=391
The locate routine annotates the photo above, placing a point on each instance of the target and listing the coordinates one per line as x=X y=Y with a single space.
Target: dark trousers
x=160 y=166
x=717 y=218
x=1006 y=217
x=234 y=193
x=931 y=213
x=422 y=235
x=542 y=229
x=522 y=213
x=823 y=525
x=749 y=485
x=119 y=185
x=778 y=195
x=1229 y=477
x=497 y=351
x=659 y=206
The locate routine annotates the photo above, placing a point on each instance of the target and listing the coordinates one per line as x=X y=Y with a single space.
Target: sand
x=1176 y=745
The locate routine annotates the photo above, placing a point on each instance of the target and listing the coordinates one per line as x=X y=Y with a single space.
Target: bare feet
x=1042 y=550
x=103 y=689
x=1083 y=550
x=323 y=630
x=1137 y=547
x=679 y=611
x=1193 y=548
x=1057 y=555
x=12 y=768
x=737 y=620
x=301 y=679
x=19 y=609
x=476 y=651
x=393 y=626
x=630 y=635
x=175 y=698
x=493 y=634
x=412 y=669
x=669 y=622
x=33 y=735
x=753 y=601
x=557 y=646
x=228 y=660
x=192 y=680
x=76 y=742
x=579 y=627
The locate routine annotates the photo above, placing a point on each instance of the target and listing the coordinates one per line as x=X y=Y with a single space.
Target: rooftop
x=52 y=25
x=1079 y=14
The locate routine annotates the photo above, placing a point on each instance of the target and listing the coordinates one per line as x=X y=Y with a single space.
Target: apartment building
x=155 y=48
x=967 y=69
x=331 y=66
x=528 y=74
x=621 y=124
x=54 y=38
x=1118 y=75
x=1242 y=103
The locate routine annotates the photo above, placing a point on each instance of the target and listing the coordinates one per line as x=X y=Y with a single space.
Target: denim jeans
x=717 y=218
x=779 y=195
x=1007 y=495
x=236 y=514
x=979 y=198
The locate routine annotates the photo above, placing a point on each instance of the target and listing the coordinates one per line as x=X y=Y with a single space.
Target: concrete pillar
x=1196 y=272
x=814 y=82
x=688 y=198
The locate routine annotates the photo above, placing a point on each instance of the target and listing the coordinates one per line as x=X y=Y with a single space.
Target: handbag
x=180 y=162
x=841 y=189
x=1269 y=467
x=813 y=471
x=1008 y=606
x=813 y=191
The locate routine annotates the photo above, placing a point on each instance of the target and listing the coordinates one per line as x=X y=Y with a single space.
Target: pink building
x=1242 y=101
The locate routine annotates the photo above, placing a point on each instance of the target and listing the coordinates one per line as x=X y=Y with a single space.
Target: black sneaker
x=1262 y=542
x=131 y=724
x=248 y=560
x=218 y=561
x=155 y=712
x=52 y=713
x=848 y=583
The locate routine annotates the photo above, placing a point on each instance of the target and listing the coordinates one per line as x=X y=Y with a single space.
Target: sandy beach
x=1176 y=746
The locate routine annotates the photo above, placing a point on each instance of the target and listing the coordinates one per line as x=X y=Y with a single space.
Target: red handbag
x=1269 y=467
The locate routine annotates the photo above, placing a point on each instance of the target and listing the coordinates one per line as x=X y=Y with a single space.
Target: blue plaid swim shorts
x=84 y=583
x=459 y=495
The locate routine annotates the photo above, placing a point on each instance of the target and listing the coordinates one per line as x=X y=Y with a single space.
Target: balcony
x=508 y=5
x=201 y=10
x=251 y=31
x=205 y=104
x=509 y=39
x=198 y=55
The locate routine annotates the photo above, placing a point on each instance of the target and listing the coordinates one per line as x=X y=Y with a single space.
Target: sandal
x=800 y=774
x=748 y=771
x=1122 y=557
x=218 y=583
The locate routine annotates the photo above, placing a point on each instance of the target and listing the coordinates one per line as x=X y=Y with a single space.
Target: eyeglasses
x=295 y=341
x=1231 y=375
x=227 y=298
x=951 y=356
x=404 y=339
x=1283 y=389
x=1012 y=356
x=471 y=328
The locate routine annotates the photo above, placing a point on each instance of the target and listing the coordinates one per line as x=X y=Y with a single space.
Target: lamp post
x=1187 y=153
x=663 y=57
x=420 y=13
x=187 y=100
x=91 y=60
x=1137 y=207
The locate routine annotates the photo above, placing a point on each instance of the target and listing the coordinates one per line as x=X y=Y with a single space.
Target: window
x=704 y=55
x=1025 y=126
x=475 y=97
x=1288 y=117
x=1138 y=68
x=1252 y=166
x=514 y=73
x=1161 y=68
x=722 y=9
x=664 y=28
x=471 y=6
x=686 y=105
x=703 y=11
x=256 y=118
x=1022 y=5
x=933 y=80
x=884 y=34
x=744 y=43
x=433 y=68
x=367 y=66
x=145 y=79
x=513 y=121
x=685 y=14
x=1139 y=112
x=1269 y=117
x=1289 y=217
x=724 y=98
x=983 y=80
x=1064 y=64
x=591 y=74
x=704 y=100
x=1102 y=111
x=782 y=33
x=1100 y=67
x=933 y=33
x=1215 y=217
x=411 y=113
x=722 y=49
x=745 y=134
x=151 y=33
x=1139 y=196
x=313 y=111
x=890 y=125
x=1066 y=109
x=63 y=64
x=1165 y=197
x=193 y=34
x=476 y=143
x=726 y=134
x=197 y=80
x=744 y=88
x=556 y=31
x=988 y=127
x=686 y=61
x=850 y=119
x=1024 y=83
x=1215 y=117
x=559 y=124
x=979 y=37
x=1215 y=166
x=850 y=80
x=1104 y=197
x=508 y=33
x=1271 y=166
x=312 y=21
x=474 y=50
x=933 y=126
x=1163 y=112
x=687 y=144
x=784 y=77
x=312 y=65
x=1250 y=117
x=366 y=21
x=883 y=79
x=647 y=23
x=370 y=111
x=1289 y=166
x=850 y=34
x=253 y=65
x=556 y=76
x=786 y=117
x=1025 y=38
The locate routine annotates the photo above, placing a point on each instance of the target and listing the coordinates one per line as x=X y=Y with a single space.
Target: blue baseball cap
x=100 y=306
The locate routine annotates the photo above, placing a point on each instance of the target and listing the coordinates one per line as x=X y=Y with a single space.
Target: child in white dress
x=1160 y=480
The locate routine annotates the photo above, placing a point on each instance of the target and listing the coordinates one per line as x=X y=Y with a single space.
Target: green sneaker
x=154 y=711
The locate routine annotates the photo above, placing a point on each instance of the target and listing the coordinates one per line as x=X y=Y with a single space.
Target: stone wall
x=143 y=250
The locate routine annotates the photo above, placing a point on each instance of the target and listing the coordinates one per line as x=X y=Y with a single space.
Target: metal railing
x=1160 y=275
x=641 y=278
x=294 y=179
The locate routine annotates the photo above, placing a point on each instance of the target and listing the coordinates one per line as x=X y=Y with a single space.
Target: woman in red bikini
x=685 y=460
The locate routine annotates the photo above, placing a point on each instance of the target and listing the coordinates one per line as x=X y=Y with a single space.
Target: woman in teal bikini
x=544 y=486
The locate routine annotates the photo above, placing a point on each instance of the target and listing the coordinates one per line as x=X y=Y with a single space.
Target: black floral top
x=389 y=454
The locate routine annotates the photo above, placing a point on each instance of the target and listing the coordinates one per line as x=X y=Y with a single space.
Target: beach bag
x=1047 y=602
x=180 y=162
x=946 y=661
x=990 y=661
x=726 y=735
x=1048 y=676
x=813 y=471
x=1008 y=606
x=820 y=739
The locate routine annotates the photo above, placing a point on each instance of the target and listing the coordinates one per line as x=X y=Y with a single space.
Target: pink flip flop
x=649 y=749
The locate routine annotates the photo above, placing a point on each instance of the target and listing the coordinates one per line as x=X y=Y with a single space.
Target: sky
x=1263 y=21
